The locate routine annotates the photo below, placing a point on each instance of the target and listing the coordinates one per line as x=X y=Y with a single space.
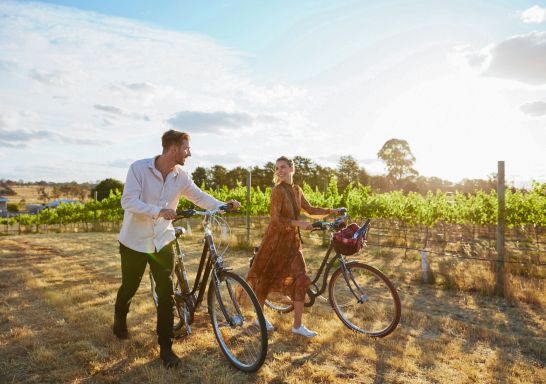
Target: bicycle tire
x=242 y=334
x=279 y=303
x=375 y=310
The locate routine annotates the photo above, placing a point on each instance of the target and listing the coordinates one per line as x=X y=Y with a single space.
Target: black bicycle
x=362 y=297
x=237 y=318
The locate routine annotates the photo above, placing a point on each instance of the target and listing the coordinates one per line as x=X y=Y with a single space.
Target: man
x=150 y=198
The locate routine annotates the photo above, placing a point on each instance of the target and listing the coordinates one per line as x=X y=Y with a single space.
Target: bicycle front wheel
x=238 y=321
x=365 y=300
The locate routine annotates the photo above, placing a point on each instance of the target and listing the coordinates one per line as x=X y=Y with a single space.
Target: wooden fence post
x=425 y=265
x=248 y=188
x=499 y=285
x=95 y=212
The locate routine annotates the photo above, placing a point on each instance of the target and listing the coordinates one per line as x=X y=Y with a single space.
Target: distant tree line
x=396 y=154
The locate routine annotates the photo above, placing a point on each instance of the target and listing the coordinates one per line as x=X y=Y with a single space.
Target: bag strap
x=294 y=209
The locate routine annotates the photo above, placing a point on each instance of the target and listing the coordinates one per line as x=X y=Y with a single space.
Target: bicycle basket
x=344 y=242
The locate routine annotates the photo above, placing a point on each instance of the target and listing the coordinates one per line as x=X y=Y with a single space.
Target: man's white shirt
x=145 y=194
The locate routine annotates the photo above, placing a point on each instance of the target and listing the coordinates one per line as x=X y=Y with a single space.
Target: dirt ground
x=57 y=293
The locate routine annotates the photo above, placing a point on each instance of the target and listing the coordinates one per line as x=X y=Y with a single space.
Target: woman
x=279 y=265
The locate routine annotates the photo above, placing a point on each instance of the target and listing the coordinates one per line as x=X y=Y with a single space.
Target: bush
x=13 y=207
x=106 y=186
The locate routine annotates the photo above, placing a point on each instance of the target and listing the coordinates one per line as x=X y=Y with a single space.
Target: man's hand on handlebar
x=231 y=205
x=167 y=214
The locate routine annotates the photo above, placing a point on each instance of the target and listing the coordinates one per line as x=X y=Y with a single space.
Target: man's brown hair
x=172 y=137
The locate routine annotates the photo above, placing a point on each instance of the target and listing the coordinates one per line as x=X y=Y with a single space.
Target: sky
x=86 y=88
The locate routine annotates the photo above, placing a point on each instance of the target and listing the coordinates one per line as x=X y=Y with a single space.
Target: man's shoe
x=120 y=327
x=302 y=330
x=168 y=358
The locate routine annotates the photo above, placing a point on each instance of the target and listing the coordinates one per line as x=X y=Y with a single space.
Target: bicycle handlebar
x=187 y=213
x=322 y=225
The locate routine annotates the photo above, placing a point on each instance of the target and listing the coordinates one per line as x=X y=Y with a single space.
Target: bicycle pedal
x=179 y=297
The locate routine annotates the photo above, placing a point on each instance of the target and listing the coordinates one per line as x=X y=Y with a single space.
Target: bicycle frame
x=210 y=264
x=324 y=267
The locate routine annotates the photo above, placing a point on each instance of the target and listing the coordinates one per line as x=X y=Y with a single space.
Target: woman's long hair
x=290 y=162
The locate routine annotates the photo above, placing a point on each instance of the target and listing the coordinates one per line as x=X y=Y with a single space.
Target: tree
x=83 y=193
x=397 y=155
x=236 y=175
x=268 y=171
x=105 y=186
x=44 y=195
x=262 y=177
x=348 y=171
x=199 y=176
x=6 y=190
x=324 y=175
x=306 y=170
x=56 y=192
x=217 y=176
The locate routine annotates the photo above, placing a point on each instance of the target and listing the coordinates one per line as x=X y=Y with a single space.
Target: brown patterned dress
x=279 y=265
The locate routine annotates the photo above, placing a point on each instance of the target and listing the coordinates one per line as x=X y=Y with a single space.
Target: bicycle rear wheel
x=279 y=302
x=365 y=300
x=238 y=321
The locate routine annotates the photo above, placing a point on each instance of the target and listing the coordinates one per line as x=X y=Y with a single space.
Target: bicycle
x=362 y=297
x=237 y=318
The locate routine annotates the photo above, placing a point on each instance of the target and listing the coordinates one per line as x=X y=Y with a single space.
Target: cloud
x=108 y=108
x=534 y=15
x=535 y=108
x=7 y=65
x=6 y=144
x=120 y=163
x=118 y=112
x=139 y=87
x=215 y=122
x=21 y=138
x=227 y=159
x=521 y=58
x=80 y=76
x=49 y=77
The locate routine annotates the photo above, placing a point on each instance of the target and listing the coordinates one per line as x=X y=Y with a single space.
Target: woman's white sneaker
x=304 y=331
x=268 y=325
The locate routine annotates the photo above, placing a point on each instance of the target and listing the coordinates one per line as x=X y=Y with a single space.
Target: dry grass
x=31 y=195
x=56 y=303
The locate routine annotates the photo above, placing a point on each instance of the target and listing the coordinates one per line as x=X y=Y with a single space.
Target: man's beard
x=180 y=161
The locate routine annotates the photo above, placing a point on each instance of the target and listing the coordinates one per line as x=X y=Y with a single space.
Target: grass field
x=31 y=195
x=57 y=293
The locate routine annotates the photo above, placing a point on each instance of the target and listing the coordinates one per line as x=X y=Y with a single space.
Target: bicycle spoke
x=365 y=300
x=234 y=314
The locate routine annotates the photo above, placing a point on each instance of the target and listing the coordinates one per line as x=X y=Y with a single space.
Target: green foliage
x=13 y=207
x=106 y=186
x=479 y=209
